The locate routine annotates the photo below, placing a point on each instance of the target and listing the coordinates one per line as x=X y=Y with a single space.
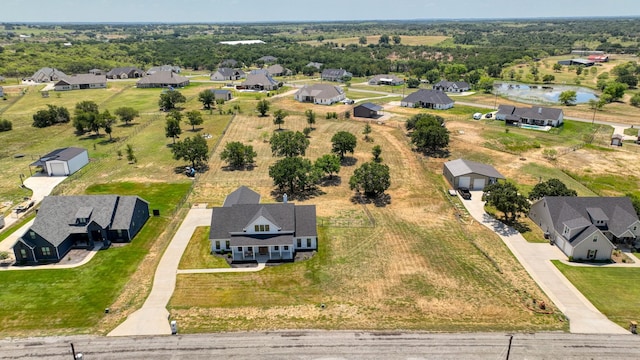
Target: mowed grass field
x=418 y=268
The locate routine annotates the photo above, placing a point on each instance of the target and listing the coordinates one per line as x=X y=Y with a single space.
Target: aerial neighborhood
x=419 y=181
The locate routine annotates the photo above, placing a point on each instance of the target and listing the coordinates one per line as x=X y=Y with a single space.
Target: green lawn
x=198 y=253
x=73 y=300
x=611 y=290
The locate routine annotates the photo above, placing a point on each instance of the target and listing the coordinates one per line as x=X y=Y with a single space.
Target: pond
x=544 y=94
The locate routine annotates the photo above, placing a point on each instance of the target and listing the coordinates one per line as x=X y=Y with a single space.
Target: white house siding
x=77 y=162
x=601 y=245
x=306 y=243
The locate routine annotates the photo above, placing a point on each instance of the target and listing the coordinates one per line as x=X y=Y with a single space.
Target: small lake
x=545 y=94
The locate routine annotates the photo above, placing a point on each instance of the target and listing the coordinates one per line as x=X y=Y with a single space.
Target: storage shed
x=367 y=110
x=470 y=174
x=63 y=162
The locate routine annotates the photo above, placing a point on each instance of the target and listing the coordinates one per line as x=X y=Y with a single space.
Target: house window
x=286 y=247
x=266 y=227
x=46 y=251
x=23 y=253
x=308 y=243
x=276 y=247
x=217 y=245
x=32 y=235
x=299 y=243
x=256 y=228
x=261 y=228
x=119 y=232
x=239 y=248
x=595 y=239
x=227 y=244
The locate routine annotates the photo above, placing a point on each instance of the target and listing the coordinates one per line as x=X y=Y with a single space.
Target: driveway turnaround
x=536 y=258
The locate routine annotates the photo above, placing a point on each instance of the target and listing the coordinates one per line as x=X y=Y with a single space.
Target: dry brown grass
x=419 y=268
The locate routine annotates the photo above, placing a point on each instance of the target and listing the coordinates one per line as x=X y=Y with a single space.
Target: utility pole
x=509 y=348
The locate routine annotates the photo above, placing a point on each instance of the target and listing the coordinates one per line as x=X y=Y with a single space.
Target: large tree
x=193 y=149
x=424 y=119
x=429 y=135
x=615 y=90
x=311 y=117
x=371 y=178
x=278 y=118
x=107 y=123
x=293 y=174
x=504 y=196
x=328 y=164
x=485 y=84
x=262 y=107
x=170 y=99
x=568 y=97
x=288 y=143
x=207 y=98
x=551 y=187
x=126 y=114
x=50 y=116
x=343 y=142
x=195 y=118
x=238 y=155
x=87 y=117
x=172 y=128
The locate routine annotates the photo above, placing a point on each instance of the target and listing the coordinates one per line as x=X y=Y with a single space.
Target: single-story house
x=428 y=99
x=617 y=139
x=63 y=162
x=81 y=81
x=230 y=63
x=47 y=74
x=598 y=58
x=321 y=94
x=586 y=227
x=452 y=86
x=251 y=231
x=79 y=222
x=278 y=70
x=335 y=75
x=535 y=115
x=155 y=69
x=260 y=81
x=386 y=79
x=223 y=94
x=468 y=174
x=163 y=79
x=367 y=110
x=127 y=72
x=314 y=64
x=223 y=74
x=268 y=59
x=96 y=72
x=581 y=62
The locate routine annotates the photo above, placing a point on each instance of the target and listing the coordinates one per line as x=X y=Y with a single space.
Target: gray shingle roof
x=618 y=210
x=320 y=91
x=461 y=167
x=335 y=73
x=124 y=70
x=164 y=78
x=428 y=96
x=371 y=106
x=83 y=79
x=261 y=79
x=242 y=195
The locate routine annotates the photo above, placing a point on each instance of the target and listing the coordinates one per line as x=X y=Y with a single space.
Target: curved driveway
x=536 y=258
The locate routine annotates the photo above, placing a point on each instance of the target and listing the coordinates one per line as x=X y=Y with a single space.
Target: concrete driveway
x=41 y=186
x=536 y=258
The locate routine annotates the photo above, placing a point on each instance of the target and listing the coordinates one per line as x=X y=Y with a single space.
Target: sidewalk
x=536 y=259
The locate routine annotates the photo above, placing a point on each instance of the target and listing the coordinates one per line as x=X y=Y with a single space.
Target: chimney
x=540 y=110
x=284 y=198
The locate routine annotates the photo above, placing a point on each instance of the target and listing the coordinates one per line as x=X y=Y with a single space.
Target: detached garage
x=469 y=174
x=63 y=162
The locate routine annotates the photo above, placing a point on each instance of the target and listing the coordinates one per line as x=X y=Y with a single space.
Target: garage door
x=478 y=184
x=57 y=169
x=464 y=181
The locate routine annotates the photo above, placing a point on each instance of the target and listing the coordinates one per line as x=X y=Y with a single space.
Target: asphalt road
x=329 y=345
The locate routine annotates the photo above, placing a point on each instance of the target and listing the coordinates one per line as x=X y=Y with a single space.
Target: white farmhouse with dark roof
x=251 y=231
x=428 y=99
x=586 y=228
x=535 y=115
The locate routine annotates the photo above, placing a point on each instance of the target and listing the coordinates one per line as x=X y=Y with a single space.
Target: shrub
x=5 y=125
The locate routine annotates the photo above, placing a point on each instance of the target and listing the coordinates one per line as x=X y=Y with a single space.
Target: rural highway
x=329 y=345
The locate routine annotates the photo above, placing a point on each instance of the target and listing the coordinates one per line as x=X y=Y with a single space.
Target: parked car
x=489 y=115
x=348 y=101
x=465 y=193
x=477 y=116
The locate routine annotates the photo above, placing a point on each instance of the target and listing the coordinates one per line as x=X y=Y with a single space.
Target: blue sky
x=216 y=11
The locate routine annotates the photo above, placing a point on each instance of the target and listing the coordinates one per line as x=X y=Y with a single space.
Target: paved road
x=536 y=258
x=329 y=345
x=153 y=317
